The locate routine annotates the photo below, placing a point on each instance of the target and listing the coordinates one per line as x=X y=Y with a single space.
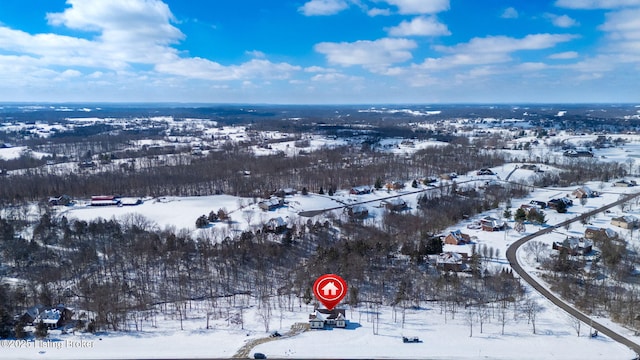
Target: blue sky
x=320 y=51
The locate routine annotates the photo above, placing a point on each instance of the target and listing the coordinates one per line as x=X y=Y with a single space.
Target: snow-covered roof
x=449 y=258
x=51 y=316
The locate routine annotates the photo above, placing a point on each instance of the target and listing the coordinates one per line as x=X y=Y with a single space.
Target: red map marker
x=330 y=289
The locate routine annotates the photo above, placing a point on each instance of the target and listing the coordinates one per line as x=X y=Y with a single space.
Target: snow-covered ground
x=441 y=338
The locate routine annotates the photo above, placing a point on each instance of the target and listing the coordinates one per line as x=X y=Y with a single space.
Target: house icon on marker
x=330 y=289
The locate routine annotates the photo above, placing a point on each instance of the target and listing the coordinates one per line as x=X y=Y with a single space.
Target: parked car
x=414 y=339
x=259 y=356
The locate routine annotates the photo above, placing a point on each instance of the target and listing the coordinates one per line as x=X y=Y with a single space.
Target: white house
x=324 y=317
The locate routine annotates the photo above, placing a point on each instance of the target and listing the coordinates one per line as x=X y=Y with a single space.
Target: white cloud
x=323 y=7
x=420 y=26
x=199 y=68
x=329 y=77
x=562 y=21
x=564 y=55
x=409 y=7
x=378 y=12
x=510 y=13
x=596 y=4
x=70 y=73
x=135 y=31
x=624 y=24
x=373 y=55
x=532 y=66
x=505 y=44
x=127 y=33
x=490 y=50
x=256 y=54
x=318 y=69
x=598 y=64
x=150 y=19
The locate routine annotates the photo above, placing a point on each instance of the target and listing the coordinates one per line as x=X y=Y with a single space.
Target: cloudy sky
x=320 y=51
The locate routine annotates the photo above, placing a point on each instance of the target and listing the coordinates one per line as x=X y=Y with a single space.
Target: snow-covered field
x=440 y=339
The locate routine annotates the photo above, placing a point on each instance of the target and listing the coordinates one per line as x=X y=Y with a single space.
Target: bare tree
x=503 y=318
x=470 y=317
x=575 y=323
x=532 y=308
x=537 y=248
x=264 y=313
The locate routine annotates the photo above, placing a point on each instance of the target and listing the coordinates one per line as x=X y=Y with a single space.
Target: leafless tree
x=575 y=323
x=536 y=247
x=532 y=308
x=470 y=317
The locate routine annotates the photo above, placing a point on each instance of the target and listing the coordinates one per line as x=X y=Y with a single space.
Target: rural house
x=553 y=203
x=578 y=153
x=592 y=232
x=332 y=318
x=285 y=192
x=584 y=192
x=625 y=222
x=357 y=212
x=394 y=185
x=104 y=200
x=452 y=261
x=456 y=238
x=528 y=208
x=538 y=203
x=52 y=317
x=276 y=225
x=574 y=246
x=395 y=204
x=360 y=190
x=271 y=204
x=625 y=183
x=492 y=224
x=62 y=200
x=485 y=171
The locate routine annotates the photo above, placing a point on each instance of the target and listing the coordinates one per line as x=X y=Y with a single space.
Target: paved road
x=513 y=260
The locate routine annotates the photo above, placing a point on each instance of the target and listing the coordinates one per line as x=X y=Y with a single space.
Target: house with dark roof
x=360 y=190
x=574 y=246
x=456 y=237
x=62 y=200
x=489 y=223
x=625 y=183
x=578 y=153
x=276 y=225
x=271 y=204
x=395 y=204
x=357 y=212
x=322 y=318
x=53 y=317
x=452 y=261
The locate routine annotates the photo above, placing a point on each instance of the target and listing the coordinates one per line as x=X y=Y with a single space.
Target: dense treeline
x=225 y=171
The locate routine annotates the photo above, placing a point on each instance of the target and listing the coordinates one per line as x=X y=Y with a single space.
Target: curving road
x=513 y=260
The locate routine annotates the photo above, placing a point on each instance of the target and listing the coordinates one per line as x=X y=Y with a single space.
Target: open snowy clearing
x=440 y=338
